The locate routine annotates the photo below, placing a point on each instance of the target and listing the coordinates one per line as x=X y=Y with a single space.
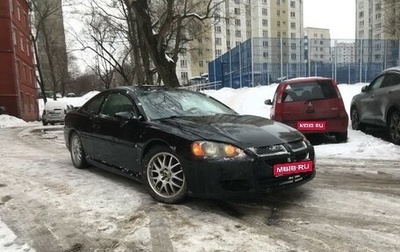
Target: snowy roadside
x=8 y=241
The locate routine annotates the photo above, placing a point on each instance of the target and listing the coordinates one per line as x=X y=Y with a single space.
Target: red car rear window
x=316 y=90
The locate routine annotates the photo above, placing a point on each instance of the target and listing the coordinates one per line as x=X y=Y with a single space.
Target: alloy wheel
x=165 y=175
x=77 y=152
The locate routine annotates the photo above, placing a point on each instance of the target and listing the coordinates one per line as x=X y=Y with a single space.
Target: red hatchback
x=313 y=105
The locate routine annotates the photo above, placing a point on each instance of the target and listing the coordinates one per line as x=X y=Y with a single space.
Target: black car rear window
x=316 y=90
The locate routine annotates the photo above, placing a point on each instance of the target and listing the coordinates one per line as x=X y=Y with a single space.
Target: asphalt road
x=351 y=205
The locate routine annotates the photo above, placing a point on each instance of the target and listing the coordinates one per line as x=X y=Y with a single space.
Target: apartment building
x=279 y=21
x=344 y=53
x=319 y=44
x=376 y=39
x=17 y=82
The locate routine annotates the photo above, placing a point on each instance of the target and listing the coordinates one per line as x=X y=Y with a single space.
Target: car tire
x=394 y=127
x=45 y=123
x=77 y=152
x=341 y=137
x=163 y=175
x=355 y=120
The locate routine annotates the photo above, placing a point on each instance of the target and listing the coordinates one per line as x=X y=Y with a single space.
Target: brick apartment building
x=17 y=82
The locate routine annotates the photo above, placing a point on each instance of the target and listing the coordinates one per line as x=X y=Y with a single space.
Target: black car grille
x=298 y=149
x=296 y=152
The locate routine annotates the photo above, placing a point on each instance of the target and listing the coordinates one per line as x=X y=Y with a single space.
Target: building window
x=29 y=102
x=217 y=29
x=218 y=41
x=201 y=64
x=184 y=75
x=265 y=55
x=237 y=1
x=237 y=22
x=293 y=56
x=238 y=34
x=200 y=51
x=19 y=12
x=293 y=25
x=293 y=14
x=278 y=2
x=218 y=53
x=248 y=23
x=278 y=23
x=265 y=33
x=265 y=43
x=265 y=22
x=278 y=13
x=361 y=14
x=183 y=63
x=237 y=43
x=264 y=11
x=293 y=46
x=237 y=11
x=14 y=36
x=293 y=35
x=292 y=4
x=22 y=43
x=21 y=95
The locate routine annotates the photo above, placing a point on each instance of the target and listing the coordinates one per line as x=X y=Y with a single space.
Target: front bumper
x=247 y=177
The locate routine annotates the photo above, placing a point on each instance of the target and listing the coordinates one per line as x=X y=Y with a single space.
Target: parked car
x=180 y=142
x=54 y=112
x=312 y=105
x=378 y=104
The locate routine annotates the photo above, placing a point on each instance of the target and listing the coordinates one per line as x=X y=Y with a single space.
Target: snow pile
x=10 y=121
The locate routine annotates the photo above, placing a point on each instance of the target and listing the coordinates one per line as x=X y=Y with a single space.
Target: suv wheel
x=355 y=120
x=394 y=127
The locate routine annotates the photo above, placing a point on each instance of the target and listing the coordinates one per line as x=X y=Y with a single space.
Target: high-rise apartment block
x=239 y=20
x=375 y=41
x=319 y=44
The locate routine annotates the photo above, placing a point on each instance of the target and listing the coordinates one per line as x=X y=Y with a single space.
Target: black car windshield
x=158 y=104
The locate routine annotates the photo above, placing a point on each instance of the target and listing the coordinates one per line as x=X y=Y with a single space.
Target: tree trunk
x=165 y=67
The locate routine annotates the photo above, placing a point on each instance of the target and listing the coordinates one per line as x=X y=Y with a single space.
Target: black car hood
x=242 y=130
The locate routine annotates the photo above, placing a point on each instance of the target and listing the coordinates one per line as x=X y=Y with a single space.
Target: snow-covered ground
x=251 y=101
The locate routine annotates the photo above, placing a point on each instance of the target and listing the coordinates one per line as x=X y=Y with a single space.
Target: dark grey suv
x=378 y=104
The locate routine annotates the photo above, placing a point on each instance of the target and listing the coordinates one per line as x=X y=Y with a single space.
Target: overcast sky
x=336 y=15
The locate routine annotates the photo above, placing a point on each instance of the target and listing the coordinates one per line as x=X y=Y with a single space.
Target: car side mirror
x=364 y=89
x=268 y=102
x=125 y=115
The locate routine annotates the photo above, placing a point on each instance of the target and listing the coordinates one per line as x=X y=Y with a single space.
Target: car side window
x=377 y=83
x=391 y=79
x=115 y=103
x=93 y=106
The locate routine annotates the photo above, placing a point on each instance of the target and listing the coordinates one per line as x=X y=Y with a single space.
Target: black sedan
x=180 y=142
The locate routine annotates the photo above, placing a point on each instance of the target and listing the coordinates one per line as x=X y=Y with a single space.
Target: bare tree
x=49 y=46
x=165 y=27
x=392 y=18
x=139 y=41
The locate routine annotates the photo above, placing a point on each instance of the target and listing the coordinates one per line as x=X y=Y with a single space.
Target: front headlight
x=209 y=149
